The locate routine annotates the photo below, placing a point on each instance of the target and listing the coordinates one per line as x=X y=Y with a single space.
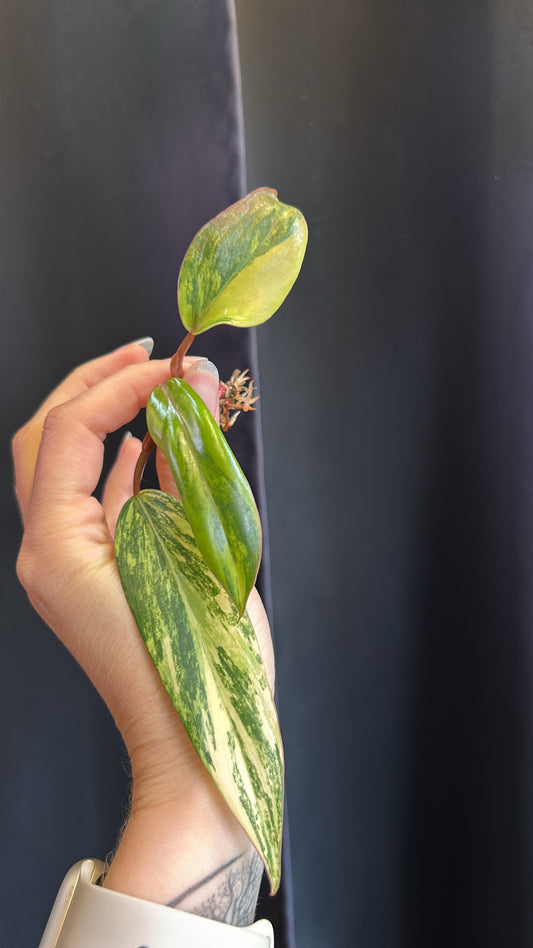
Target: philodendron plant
x=188 y=566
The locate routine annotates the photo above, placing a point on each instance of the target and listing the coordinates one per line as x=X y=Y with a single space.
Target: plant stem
x=147 y=448
x=176 y=363
x=176 y=372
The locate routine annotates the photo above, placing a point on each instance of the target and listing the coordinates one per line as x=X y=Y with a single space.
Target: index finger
x=27 y=440
x=70 y=452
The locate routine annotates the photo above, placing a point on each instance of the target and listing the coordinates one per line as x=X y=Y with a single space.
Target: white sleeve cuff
x=85 y=915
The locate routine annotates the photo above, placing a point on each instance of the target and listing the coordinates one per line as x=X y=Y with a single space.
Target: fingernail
x=126 y=437
x=202 y=365
x=203 y=376
x=146 y=342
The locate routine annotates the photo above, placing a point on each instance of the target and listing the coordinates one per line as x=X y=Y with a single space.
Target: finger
x=26 y=441
x=90 y=373
x=118 y=485
x=71 y=451
x=201 y=375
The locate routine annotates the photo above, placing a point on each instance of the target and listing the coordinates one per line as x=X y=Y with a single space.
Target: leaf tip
x=274 y=884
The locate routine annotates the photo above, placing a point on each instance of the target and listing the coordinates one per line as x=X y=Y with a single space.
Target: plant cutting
x=188 y=566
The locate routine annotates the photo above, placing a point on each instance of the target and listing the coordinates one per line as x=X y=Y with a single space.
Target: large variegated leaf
x=241 y=265
x=216 y=496
x=209 y=663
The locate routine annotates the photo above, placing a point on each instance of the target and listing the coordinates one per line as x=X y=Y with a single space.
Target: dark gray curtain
x=397 y=405
x=398 y=428
x=120 y=135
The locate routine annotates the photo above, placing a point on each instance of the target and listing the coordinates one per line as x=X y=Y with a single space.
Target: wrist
x=180 y=830
x=166 y=849
x=173 y=847
x=166 y=770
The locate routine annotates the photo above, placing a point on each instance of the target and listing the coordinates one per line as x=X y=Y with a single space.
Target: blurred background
x=396 y=418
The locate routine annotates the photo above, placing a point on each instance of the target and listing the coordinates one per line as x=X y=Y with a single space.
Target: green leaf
x=209 y=663
x=215 y=494
x=241 y=265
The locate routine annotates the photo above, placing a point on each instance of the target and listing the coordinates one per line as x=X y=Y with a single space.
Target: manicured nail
x=203 y=377
x=146 y=342
x=126 y=437
x=202 y=365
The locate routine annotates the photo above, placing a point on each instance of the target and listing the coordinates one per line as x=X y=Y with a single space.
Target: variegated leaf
x=241 y=265
x=209 y=662
x=215 y=494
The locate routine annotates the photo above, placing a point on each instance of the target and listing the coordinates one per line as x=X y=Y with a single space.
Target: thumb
x=202 y=376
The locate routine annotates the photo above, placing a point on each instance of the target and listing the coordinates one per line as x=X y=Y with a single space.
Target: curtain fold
x=120 y=135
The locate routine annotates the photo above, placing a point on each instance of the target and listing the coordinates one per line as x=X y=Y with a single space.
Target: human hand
x=68 y=568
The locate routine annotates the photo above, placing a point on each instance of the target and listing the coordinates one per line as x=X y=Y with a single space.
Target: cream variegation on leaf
x=209 y=662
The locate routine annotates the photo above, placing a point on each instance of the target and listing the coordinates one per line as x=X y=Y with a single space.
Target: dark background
x=397 y=418
x=120 y=136
x=397 y=400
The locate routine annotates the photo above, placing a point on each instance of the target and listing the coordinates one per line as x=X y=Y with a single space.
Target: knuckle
x=25 y=568
x=34 y=575
x=54 y=419
x=18 y=441
x=57 y=423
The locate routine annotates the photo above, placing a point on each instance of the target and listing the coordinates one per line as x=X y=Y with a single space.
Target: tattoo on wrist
x=229 y=894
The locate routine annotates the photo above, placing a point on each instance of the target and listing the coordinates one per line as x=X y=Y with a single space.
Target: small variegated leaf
x=216 y=496
x=209 y=662
x=241 y=265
